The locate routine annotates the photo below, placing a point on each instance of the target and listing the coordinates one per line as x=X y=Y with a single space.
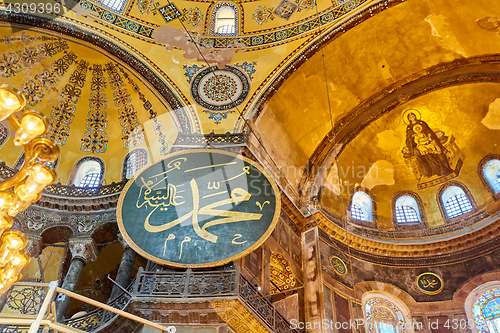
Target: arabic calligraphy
x=429 y=283
x=338 y=265
x=198 y=207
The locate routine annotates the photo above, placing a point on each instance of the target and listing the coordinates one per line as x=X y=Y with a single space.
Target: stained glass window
x=383 y=316
x=486 y=311
x=225 y=20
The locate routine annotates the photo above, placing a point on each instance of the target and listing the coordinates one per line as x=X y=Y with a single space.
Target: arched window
x=4 y=134
x=362 y=207
x=87 y=172
x=489 y=172
x=383 y=316
x=407 y=210
x=133 y=162
x=224 y=20
x=455 y=201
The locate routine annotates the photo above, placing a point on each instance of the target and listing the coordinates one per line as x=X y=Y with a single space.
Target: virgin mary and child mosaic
x=433 y=156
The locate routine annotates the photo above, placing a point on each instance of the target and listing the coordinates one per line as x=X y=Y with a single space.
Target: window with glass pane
x=91 y=180
x=135 y=161
x=115 y=5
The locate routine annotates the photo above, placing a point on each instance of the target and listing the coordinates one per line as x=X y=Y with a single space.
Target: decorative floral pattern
x=132 y=133
x=249 y=68
x=9 y=65
x=146 y=6
x=191 y=71
x=285 y=9
x=95 y=138
x=262 y=14
x=217 y=116
x=62 y=115
x=158 y=127
x=33 y=92
x=192 y=15
x=26 y=301
x=305 y=4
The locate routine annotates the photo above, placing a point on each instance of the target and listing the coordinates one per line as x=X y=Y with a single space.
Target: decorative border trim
x=480 y=167
x=412 y=225
x=441 y=203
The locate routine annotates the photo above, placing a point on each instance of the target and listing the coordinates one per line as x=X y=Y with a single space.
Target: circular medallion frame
x=419 y=281
x=339 y=262
x=272 y=210
x=220 y=89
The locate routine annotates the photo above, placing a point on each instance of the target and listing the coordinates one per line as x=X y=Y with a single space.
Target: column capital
x=123 y=241
x=34 y=246
x=83 y=248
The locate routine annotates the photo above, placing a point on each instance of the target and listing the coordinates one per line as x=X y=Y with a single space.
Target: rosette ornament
x=24 y=188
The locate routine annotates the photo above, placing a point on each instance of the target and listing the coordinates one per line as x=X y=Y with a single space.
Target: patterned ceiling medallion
x=429 y=283
x=220 y=89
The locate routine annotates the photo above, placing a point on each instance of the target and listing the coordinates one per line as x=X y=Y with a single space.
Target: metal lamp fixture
x=24 y=188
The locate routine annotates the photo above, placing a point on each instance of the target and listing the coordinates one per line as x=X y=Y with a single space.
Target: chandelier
x=24 y=188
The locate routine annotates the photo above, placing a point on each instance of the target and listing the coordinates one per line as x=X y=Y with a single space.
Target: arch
x=408 y=210
x=4 y=134
x=133 y=162
x=282 y=277
x=225 y=19
x=362 y=207
x=455 y=201
x=88 y=171
x=384 y=313
x=489 y=173
x=477 y=306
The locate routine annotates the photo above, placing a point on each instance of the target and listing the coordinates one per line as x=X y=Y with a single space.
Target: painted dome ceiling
x=324 y=87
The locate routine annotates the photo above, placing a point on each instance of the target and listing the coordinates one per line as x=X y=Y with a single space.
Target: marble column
x=125 y=269
x=83 y=250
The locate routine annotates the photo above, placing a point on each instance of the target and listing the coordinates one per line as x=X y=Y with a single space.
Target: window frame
x=127 y=158
x=5 y=137
x=76 y=169
x=442 y=204
x=409 y=225
x=373 y=222
x=215 y=10
x=484 y=180
x=120 y=10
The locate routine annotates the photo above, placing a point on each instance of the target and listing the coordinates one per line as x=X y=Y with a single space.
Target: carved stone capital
x=123 y=241
x=83 y=248
x=34 y=247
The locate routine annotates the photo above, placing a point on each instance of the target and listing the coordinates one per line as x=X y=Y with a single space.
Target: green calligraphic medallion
x=198 y=208
x=338 y=265
x=429 y=283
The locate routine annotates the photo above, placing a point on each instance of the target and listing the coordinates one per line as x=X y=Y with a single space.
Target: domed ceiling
x=466 y=119
x=96 y=105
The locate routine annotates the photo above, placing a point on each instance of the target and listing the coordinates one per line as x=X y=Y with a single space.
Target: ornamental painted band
x=198 y=208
